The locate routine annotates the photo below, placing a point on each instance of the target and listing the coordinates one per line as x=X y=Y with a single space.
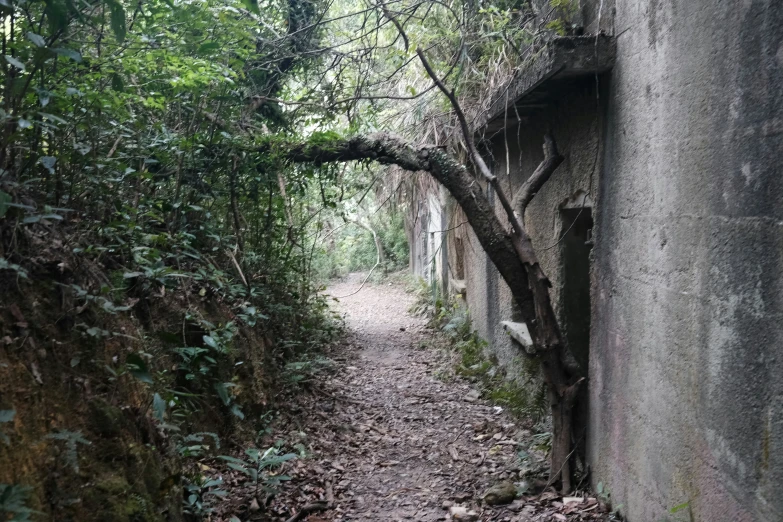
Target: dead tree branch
x=313 y=507
x=520 y=238
x=528 y=190
x=511 y=253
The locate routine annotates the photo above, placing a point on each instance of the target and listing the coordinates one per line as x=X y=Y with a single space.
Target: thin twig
x=329 y=494
x=307 y=509
x=236 y=265
x=363 y=283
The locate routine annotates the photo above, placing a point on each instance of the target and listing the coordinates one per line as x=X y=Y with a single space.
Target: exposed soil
x=392 y=435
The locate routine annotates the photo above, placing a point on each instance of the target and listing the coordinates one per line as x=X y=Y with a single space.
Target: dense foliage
x=159 y=255
x=147 y=245
x=366 y=217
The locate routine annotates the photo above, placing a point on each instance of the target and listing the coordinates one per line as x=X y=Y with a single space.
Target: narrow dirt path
x=390 y=441
x=418 y=431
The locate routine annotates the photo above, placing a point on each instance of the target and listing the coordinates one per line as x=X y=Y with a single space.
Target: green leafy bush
x=13 y=503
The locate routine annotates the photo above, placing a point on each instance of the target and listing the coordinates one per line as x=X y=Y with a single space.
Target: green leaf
x=76 y=56
x=158 y=406
x=75 y=436
x=239 y=467
x=117 y=21
x=236 y=410
x=5 y=200
x=138 y=368
x=13 y=61
x=211 y=342
x=117 y=83
x=5 y=265
x=276 y=461
x=253 y=453
x=252 y=6
x=682 y=506
x=231 y=459
x=48 y=163
x=222 y=391
x=57 y=14
x=95 y=331
x=37 y=39
x=211 y=483
x=13 y=501
x=44 y=97
x=235 y=463
x=208 y=47
x=52 y=117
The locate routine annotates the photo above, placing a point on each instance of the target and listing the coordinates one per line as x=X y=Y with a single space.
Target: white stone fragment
x=520 y=333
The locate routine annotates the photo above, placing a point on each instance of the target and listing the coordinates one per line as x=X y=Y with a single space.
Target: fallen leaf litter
x=386 y=440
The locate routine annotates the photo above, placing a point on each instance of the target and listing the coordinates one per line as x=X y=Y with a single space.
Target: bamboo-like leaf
x=117 y=20
x=37 y=39
x=16 y=63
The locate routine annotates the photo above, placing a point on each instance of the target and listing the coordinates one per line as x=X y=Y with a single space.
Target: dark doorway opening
x=459 y=250
x=576 y=245
x=577 y=242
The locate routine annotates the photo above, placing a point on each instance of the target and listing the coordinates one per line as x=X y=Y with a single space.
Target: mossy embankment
x=115 y=384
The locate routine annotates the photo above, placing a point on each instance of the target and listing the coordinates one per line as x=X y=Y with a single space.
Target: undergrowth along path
x=389 y=439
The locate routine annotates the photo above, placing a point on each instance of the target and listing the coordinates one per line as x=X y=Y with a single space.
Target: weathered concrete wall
x=427 y=228
x=679 y=158
x=687 y=344
x=574 y=122
x=416 y=227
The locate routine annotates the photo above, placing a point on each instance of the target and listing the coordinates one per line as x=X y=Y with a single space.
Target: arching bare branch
x=512 y=254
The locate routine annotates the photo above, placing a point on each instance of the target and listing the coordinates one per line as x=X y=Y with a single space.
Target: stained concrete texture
x=685 y=376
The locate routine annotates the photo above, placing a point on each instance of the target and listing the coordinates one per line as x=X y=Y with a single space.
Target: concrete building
x=662 y=233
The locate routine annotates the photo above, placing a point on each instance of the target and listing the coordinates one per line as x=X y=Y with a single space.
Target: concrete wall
x=575 y=124
x=427 y=228
x=686 y=373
